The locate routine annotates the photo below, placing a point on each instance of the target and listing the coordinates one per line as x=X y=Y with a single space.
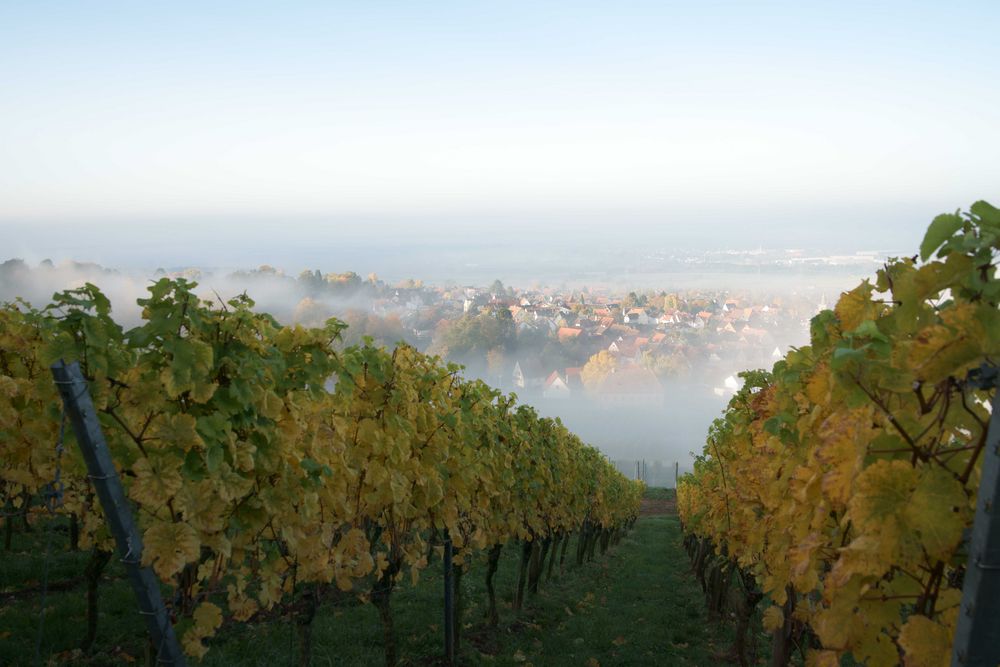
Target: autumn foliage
x=845 y=477
x=265 y=465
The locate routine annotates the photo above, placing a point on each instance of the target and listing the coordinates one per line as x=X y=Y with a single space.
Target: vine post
x=101 y=469
x=449 y=603
x=977 y=634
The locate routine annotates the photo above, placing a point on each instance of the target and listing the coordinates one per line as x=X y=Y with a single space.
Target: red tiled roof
x=565 y=333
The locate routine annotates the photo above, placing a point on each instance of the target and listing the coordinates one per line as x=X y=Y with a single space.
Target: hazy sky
x=363 y=120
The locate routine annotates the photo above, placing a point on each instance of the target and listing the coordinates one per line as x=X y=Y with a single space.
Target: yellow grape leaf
x=232 y=485
x=881 y=651
x=168 y=547
x=192 y=644
x=243 y=455
x=935 y=511
x=802 y=563
x=842 y=437
x=823 y=659
x=157 y=479
x=925 y=643
x=818 y=387
x=207 y=619
x=200 y=506
x=202 y=392
x=206 y=570
x=352 y=558
x=271 y=586
x=178 y=431
x=416 y=568
x=240 y=606
x=381 y=564
x=863 y=556
x=947 y=349
x=270 y=405
x=838 y=624
x=774 y=618
x=220 y=544
x=855 y=307
x=882 y=494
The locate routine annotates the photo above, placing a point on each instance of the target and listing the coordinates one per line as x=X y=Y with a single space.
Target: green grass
x=637 y=605
x=660 y=493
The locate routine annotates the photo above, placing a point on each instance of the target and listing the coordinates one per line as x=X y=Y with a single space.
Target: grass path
x=636 y=605
x=639 y=606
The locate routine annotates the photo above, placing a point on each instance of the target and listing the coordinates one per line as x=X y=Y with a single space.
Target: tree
x=470 y=337
x=312 y=281
x=598 y=367
x=633 y=300
x=672 y=364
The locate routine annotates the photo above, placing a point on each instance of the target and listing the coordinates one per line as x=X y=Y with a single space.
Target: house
x=637 y=316
x=568 y=333
x=631 y=385
x=672 y=316
x=545 y=323
x=528 y=374
x=555 y=387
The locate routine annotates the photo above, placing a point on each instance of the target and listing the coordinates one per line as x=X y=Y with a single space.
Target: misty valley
x=639 y=373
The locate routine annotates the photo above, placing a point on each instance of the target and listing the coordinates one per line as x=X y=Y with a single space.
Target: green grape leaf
x=941 y=229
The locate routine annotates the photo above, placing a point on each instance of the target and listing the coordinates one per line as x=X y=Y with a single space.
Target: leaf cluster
x=846 y=476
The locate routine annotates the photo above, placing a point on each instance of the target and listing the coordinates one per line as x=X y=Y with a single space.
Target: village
x=641 y=374
x=552 y=344
x=546 y=343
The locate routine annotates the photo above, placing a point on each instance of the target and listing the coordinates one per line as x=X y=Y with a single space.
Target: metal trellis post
x=977 y=635
x=101 y=469
x=449 y=602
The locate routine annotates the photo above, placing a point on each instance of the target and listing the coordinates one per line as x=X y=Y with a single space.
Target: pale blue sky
x=537 y=116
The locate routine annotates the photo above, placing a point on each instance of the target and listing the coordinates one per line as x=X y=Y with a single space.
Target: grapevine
x=270 y=466
x=844 y=478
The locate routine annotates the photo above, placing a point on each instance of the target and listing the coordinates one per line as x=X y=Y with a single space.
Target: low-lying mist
x=672 y=357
